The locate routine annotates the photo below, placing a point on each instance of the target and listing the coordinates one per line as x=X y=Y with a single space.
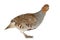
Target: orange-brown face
x=45 y=8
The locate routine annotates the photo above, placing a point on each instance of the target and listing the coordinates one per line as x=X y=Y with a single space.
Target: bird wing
x=28 y=19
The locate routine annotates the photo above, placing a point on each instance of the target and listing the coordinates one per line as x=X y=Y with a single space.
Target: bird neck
x=40 y=13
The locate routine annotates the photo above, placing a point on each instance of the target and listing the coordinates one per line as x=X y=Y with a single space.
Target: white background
x=49 y=28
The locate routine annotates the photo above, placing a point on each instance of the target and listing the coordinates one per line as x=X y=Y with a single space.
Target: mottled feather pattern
x=29 y=21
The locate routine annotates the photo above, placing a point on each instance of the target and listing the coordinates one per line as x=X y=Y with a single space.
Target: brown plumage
x=28 y=21
x=27 y=18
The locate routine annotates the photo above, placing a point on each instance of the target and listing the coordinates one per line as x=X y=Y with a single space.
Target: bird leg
x=27 y=36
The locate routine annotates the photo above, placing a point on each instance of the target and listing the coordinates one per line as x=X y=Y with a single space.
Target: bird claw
x=28 y=36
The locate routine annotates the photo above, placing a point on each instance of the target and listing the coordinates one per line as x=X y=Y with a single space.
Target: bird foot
x=27 y=36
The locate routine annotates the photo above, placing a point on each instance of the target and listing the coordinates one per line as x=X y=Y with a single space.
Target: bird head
x=45 y=8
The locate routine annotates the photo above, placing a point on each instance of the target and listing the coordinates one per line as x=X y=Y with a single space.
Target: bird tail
x=11 y=25
x=7 y=27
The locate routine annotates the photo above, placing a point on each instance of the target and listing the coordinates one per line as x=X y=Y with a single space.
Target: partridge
x=28 y=21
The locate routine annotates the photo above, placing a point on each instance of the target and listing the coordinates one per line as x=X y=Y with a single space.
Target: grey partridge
x=28 y=21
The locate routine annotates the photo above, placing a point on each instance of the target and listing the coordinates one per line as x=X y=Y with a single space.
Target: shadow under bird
x=28 y=21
